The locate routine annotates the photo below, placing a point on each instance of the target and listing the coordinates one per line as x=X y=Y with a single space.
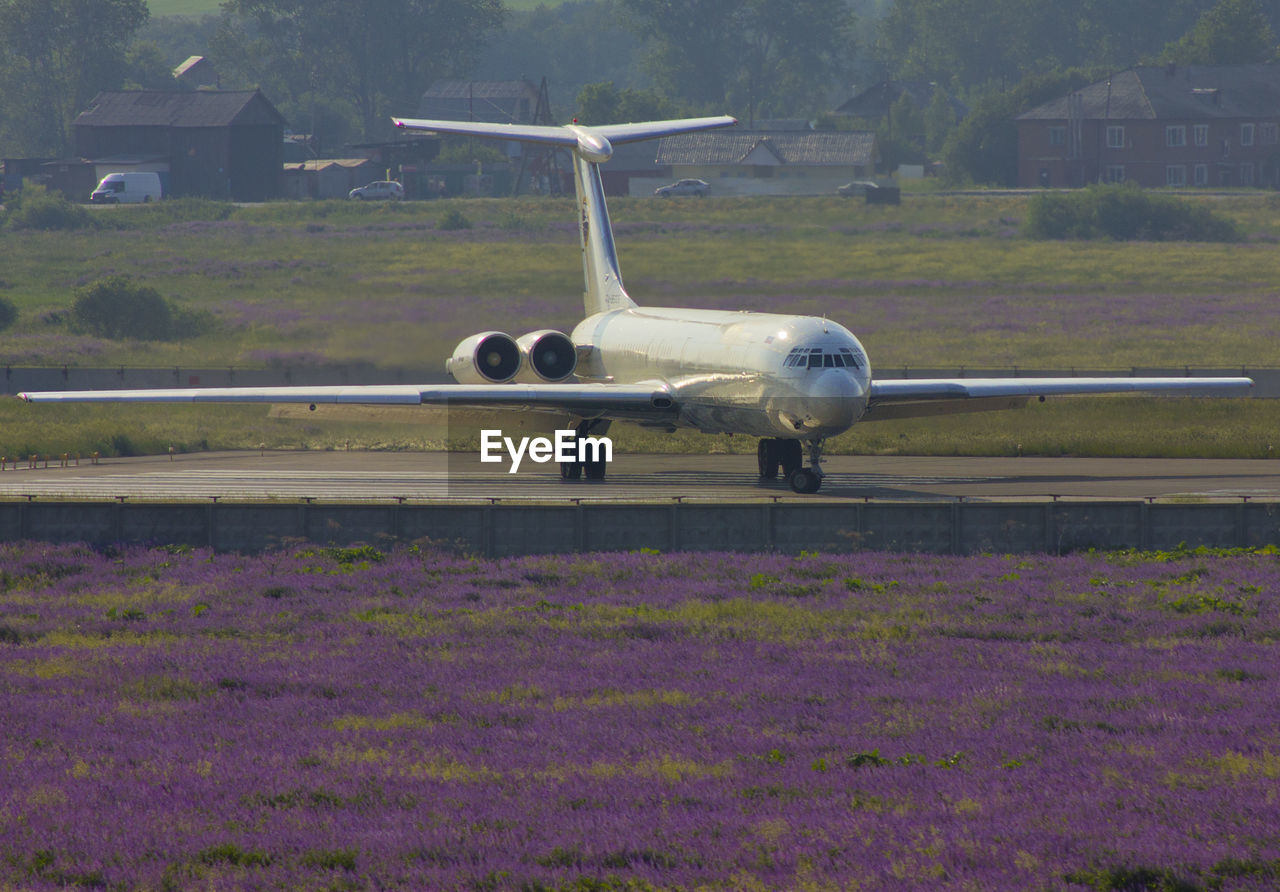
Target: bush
x=453 y=219
x=1124 y=213
x=117 y=307
x=36 y=208
x=8 y=313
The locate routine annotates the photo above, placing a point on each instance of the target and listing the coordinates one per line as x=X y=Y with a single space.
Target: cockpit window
x=817 y=358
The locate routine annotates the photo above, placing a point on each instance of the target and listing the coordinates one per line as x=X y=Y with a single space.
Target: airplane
x=792 y=381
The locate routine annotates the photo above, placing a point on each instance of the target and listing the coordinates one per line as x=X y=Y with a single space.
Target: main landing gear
x=594 y=466
x=775 y=453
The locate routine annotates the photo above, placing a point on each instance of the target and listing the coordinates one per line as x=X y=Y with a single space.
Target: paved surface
x=355 y=476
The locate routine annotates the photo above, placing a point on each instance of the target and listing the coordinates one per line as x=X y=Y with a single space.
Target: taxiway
x=362 y=476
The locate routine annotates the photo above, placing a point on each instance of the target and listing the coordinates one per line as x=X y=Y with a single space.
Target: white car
x=382 y=190
x=684 y=187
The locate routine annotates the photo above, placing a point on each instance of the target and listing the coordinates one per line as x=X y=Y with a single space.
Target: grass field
x=940 y=281
x=183 y=7
x=328 y=718
x=212 y=7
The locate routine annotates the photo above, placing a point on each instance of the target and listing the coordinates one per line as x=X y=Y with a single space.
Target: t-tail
x=591 y=147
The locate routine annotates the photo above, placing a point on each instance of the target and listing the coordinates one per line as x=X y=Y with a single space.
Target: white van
x=127 y=188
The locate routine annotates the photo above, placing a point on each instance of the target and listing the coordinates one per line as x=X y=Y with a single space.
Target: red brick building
x=1179 y=126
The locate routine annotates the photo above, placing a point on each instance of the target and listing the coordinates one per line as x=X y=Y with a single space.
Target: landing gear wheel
x=792 y=456
x=767 y=459
x=773 y=452
x=570 y=470
x=805 y=480
x=592 y=469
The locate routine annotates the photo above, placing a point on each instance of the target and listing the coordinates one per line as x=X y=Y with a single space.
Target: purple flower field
x=325 y=718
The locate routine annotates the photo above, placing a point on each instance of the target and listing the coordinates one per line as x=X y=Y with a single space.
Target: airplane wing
x=915 y=397
x=644 y=401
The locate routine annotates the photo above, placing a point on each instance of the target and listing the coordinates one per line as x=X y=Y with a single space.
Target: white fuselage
x=760 y=374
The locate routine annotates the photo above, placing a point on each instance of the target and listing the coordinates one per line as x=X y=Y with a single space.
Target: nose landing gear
x=774 y=452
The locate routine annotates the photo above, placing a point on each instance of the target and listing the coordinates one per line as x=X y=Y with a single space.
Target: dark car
x=874 y=192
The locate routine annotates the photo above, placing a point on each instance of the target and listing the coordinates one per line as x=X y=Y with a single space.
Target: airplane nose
x=836 y=400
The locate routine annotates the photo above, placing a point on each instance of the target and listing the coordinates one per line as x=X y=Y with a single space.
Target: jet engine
x=548 y=355
x=491 y=357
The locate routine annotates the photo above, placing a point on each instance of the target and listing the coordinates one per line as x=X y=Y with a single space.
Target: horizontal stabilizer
x=570 y=135
x=603 y=290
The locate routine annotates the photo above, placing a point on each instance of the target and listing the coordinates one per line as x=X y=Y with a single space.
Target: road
x=358 y=476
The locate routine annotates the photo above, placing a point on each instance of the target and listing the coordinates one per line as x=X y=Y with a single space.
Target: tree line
x=340 y=68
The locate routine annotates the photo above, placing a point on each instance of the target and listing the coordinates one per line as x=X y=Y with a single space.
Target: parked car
x=382 y=190
x=127 y=188
x=684 y=187
x=875 y=193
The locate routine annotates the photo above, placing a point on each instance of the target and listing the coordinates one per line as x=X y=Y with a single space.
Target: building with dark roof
x=208 y=143
x=762 y=162
x=1169 y=125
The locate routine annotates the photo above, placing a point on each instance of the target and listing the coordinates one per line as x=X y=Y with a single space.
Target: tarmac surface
x=363 y=476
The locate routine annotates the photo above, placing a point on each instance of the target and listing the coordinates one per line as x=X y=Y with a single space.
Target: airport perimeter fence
x=499 y=530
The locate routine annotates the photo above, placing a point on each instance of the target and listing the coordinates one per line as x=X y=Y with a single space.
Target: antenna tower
x=541 y=161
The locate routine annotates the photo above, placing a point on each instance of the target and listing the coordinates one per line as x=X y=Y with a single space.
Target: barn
x=216 y=144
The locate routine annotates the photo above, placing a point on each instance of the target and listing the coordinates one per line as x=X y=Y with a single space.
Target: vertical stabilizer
x=602 y=279
x=591 y=147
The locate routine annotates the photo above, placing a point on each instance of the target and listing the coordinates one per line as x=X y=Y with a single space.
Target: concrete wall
x=499 y=530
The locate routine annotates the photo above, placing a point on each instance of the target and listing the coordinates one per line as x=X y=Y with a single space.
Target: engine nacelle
x=548 y=355
x=491 y=357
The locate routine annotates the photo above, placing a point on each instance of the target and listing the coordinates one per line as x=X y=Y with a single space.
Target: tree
x=572 y=43
x=974 y=41
x=55 y=56
x=757 y=57
x=939 y=118
x=969 y=43
x=147 y=69
x=901 y=134
x=375 y=55
x=984 y=147
x=603 y=103
x=1233 y=32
